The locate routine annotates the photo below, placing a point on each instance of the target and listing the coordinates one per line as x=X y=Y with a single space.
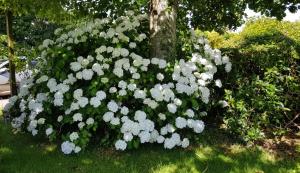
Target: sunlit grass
x=21 y=153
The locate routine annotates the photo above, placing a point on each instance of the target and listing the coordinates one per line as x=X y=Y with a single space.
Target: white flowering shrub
x=97 y=82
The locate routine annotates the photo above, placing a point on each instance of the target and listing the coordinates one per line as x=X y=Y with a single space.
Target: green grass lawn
x=217 y=153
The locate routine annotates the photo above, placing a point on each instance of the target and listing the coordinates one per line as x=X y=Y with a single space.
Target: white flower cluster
x=141 y=99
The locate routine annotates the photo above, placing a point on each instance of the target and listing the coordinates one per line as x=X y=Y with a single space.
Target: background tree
x=167 y=15
x=51 y=9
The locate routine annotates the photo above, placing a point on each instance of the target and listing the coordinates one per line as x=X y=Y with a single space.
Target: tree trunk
x=12 y=75
x=163 y=14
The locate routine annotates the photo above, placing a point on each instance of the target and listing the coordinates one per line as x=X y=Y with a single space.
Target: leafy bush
x=264 y=87
x=96 y=83
x=28 y=33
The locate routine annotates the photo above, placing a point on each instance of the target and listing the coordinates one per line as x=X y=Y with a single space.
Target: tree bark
x=163 y=14
x=12 y=68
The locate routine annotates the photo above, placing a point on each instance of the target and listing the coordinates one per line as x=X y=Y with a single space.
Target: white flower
x=124 y=119
x=156 y=94
x=139 y=94
x=124 y=52
x=162 y=63
x=164 y=130
x=160 y=139
x=228 y=67
x=198 y=126
x=95 y=102
x=170 y=128
x=140 y=116
x=77 y=149
x=79 y=75
x=113 y=89
x=59 y=118
x=112 y=106
x=79 y=59
x=101 y=49
x=177 y=102
x=180 y=122
x=70 y=80
x=77 y=117
x=81 y=125
x=132 y=45
x=144 y=136
x=34 y=132
x=218 y=83
x=108 y=116
x=127 y=136
x=51 y=84
x=41 y=121
x=98 y=69
x=101 y=95
x=122 y=92
x=142 y=36
x=162 y=116
x=78 y=93
x=90 y=121
x=49 y=131
x=109 y=49
x=124 y=110
x=190 y=113
x=155 y=61
x=111 y=32
x=67 y=147
x=131 y=87
x=85 y=62
x=122 y=84
x=115 y=121
x=58 y=102
x=160 y=76
x=136 y=76
x=75 y=66
x=225 y=59
x=118 y=72
x=99 y=57
x=205 y=94
x=87 y=74
x=74 y=106
x=74 y=136
x=172 y=108
x=116 y=52
x=152 y=104
x=185 y=143
x=120 y=145
x=83 y=101
x=169 y=143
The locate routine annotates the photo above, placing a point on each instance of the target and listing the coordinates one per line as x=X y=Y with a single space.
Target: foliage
x=29 y=32
x=264 y=91
x=51 y=9
x=204 y=14
x=3 y=47
x=109 y=91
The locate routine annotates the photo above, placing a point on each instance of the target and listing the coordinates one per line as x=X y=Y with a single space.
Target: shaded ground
x=217 y=154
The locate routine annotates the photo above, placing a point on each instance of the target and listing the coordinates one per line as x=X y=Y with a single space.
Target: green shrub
x=264 y=90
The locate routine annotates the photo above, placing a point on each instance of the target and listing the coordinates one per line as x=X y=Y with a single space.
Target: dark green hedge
x=263 y=89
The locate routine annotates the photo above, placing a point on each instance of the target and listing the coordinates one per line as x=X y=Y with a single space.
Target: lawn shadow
x=216 y=154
